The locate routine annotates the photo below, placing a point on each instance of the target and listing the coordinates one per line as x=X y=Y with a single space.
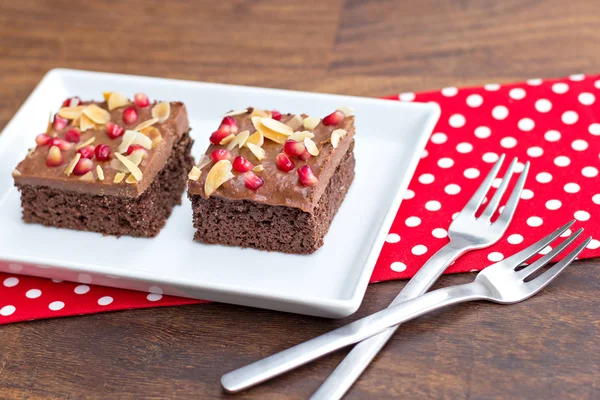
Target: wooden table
x=548 y=347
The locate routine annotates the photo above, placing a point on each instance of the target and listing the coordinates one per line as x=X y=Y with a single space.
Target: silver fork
x=500 y=283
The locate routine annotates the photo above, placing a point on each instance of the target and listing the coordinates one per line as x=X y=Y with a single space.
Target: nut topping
x=311 y=147
x=86 y=123
x=236 y=112
x=226 y=140
x=116 y=100
x=70 y=112
x=336 y=136
x=195 y=173
x=88 y=177
x=256 y=138
x=131 y=179
x=145 y=124
x=204 y=161
x=128 y=139
x=154 y=135
x=119 y=177
x=258 y=168
x=100 y=172
x=97 y=114
x=161 y=111
x=258 y=152
x=71 y=166
x=16 y=172
x=348 y=111
x=311 y=123
x=218 y=175
x=277 y=126
x=295 y=123
x=86 y=143
x=135 y=171
x=239 y=140
x=300 y=136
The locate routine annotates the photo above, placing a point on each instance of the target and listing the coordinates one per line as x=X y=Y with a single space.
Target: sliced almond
x=256 y=122
x=49 y=126
x=300 y=136
x=106 y=95
x=136 y=157
x=311 y=147
x=311 y=123
x=116 y=100
x=258 y=152
x=239 y=140
x=204 y=161
x=145 y=124
x=258 y=168
x=71 y=112
x=71 y=166
x=267 y=132
x=336 y=136
x=89 y=177
x=256 y=138
x=97 y=114
x=218 y=175
x=100 y=172
x=226 y=139
x=142 y=140
x=348 y=111
x=86 y=143
x=127 y=141
x=295 y=123
x=161 y=111
x=259 y=113
x=85 y=123
x=131 y=179
x=195 y=173
x=16 y=172
x=153 y=134
x=135 y=171
x=236 y=112
x=119 y=177
x=277 y=126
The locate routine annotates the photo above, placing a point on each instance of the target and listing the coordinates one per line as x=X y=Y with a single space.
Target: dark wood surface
x=545 y=348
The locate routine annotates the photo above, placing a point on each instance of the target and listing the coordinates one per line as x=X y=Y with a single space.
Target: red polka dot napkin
x=552 y=123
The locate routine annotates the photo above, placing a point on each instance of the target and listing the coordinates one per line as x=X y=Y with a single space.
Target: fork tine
x=528 y=252
x=493 y=204
x=509 y=209
x=479 y=195
x=525 y=272
x=544 y=279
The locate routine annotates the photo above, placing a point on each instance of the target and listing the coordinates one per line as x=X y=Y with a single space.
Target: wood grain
x=547 y=347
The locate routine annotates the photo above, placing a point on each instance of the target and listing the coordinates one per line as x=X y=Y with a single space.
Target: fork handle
x=361 y=329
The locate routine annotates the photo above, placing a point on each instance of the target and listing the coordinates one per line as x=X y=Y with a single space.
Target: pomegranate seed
x=114 y=131
x=231 y=123
x=102 y=152
x=61 y=144
x=73 y=135
x=276 y=115
x=334 y=118
x=42 y=139
x=305 y=156
x=284 y=163
x=220 y=134
x=83 y=166
x=293 y=148
x=54 y=157
x=220 y=154
x=87 y=152
x=141 y=100
x=71 y=102
x=59 y=123
x=306 y=176
x=240 y=164
x=137 y=147
x=130 y=115
x=253 y=181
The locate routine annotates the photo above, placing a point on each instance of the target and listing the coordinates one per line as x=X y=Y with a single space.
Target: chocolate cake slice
x=271 y=181
x=116 y=167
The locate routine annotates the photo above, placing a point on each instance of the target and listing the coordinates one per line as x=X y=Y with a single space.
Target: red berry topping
x=141 y=100
x=284 y=163
x=220 y=134
x=59 y=123
x=114 y=131
x=305 y=156
x=102 y=152
x=42 y=139
x=83 y=166
x=71 y=102
x=220 y=154
x=240 y=164
x=87 y=152
x=231 y=123
x=130 y=115
x=137 y=147
x=54 y=157
x=293 y=148
x=253 y=181
x=61 y=144
x=306 y=176
x=334 y=118
x=276 y=115
x=73 y=135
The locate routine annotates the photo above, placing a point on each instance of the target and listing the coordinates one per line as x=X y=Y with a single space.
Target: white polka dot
x=7 y=310
x=398 y=266
x=104 y=301
x=566 y=233
x=534 y=221
x=596 y=198
x=496 y=183
x=445 y=162
x=587 y=99
x=562 y=161
x=455 y=215
x=535 y=151
x=439 y=138
x=508 y=142
x=553 y=204
x=517 y=94
x=33 y=293
x=594 y=129
x=426 y=179
x=84 y=278
x=412 y=221
x=581 y=215
x=495 y=256
x=439 y=233
x=500 y=112
x=597 y=84
x=545 y=250
x=449 y=91
x=492 y=87
x=552 y=136
x=457 y=121
x=408 y=96
x=409 y=194
x=474 y=100
x=452 y=189
x=593 y=244
x=515 y=238
x=15 y=267
x=424 y=154
x=56 y=305
x=526 y=124
x=490 y=157
x=589 y=172
x=527 y=194
x=534 y=82
x=433 y=205
x=11 y=282
x=483 y=132
x=577 y=77
x=571 y=187
x=81 y=289
x=560 y=88
x=543 y=105
x=419 y=250
x=464 y=147
x=579 y=145
x=392 y=238
x=154 y=297
x=471 y=173
x=570 y=117
x=543 y=177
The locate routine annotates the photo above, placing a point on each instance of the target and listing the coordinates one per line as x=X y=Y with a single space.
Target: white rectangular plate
x=330 y=283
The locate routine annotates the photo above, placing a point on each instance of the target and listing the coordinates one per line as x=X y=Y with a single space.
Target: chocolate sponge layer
x=246 y=223
x=143 y=216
